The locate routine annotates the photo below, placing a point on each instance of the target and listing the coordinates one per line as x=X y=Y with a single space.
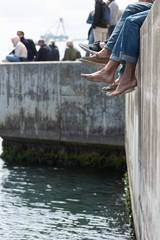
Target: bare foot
x=105 y=75
x=104 y=53
x=124 y=86
x=99 y=76
x=127 y=81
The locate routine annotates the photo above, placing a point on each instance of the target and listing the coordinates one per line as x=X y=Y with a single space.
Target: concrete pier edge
x=142 y=135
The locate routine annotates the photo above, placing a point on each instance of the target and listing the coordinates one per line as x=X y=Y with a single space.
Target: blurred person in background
x=100 y=22
x=55 y=50
x=19 y=53
x=44 y=53
x=29 y=44
x=114 y=13
x=71 y=53
x=90 y=31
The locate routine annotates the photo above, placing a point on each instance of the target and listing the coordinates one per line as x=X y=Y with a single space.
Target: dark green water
x=47 y=203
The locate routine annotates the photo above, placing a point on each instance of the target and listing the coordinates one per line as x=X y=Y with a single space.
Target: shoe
x=94 y=60
x=127 y=91
x=5 y=60
x=91 y=48
x=110 y=88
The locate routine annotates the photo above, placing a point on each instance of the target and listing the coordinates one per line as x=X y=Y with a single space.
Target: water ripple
x=53 y=204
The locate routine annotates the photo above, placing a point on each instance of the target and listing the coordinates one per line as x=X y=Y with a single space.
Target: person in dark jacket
x=44 y=53
x=99 y=25
x=55 y=50
x=29 y=44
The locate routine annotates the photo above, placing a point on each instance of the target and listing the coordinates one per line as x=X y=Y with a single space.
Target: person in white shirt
x=19 y=53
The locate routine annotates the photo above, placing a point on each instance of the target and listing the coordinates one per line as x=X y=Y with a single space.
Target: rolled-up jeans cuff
x=114 y=58
x=127 y=58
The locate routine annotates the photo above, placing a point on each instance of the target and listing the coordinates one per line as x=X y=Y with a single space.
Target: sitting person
x=122 y=47
x=102 y=50
x=71 y=53
x=29 y=44
x=55 y=50
x=19 y=53
x=44 y=53
x=126 y=50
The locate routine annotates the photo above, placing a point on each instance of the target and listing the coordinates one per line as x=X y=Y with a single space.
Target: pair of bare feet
x=125 y=82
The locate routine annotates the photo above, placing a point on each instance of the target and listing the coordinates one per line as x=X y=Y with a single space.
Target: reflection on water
x=47 y=203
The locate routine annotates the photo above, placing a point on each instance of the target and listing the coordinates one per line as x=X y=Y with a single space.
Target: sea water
x=50 y=203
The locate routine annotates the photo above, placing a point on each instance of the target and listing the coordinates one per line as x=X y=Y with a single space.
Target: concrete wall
x=143 y=133
x=51 y=101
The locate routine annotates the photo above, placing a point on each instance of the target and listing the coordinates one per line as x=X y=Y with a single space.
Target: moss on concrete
x=61 y=154
x=128 y=205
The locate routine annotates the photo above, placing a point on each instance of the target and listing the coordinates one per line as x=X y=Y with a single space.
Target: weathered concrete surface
x=143 y=133
x=51 y=101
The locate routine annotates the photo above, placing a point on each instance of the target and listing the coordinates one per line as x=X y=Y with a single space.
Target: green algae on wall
x=128 y=204
x=58 y=154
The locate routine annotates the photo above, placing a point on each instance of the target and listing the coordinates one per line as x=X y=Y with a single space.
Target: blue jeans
x=131 y=9
x=90 y=40
x=127 y=45
x=12 y=58
x=110 y=30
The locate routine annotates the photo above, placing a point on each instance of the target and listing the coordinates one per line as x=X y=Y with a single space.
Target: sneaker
x=5 y=60
x=94 y=60
x=91 y=48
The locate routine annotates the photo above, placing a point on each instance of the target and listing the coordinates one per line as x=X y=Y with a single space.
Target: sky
x=36 y=17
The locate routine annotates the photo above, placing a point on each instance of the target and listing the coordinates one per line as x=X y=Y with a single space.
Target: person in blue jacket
x=90 y=32
x=44 y=53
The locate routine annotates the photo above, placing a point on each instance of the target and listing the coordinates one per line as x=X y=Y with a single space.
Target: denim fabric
x=90 y=40
x=110 y=30
x=12 y=58
x=128 y=42
x=131 y=9
x=91 y=37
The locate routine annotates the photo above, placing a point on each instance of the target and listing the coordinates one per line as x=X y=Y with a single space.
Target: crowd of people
x=111 y=42
x=25 y=50
x=102 y=25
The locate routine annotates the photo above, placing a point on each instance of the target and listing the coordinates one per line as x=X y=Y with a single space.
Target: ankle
x=104 y=53
x=107 y=72
x=108 y=52
x=102 y=44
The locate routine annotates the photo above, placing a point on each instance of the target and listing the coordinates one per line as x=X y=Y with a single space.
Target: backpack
x=106 y=13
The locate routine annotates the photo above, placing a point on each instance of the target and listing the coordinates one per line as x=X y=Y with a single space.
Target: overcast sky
x=35 y=17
